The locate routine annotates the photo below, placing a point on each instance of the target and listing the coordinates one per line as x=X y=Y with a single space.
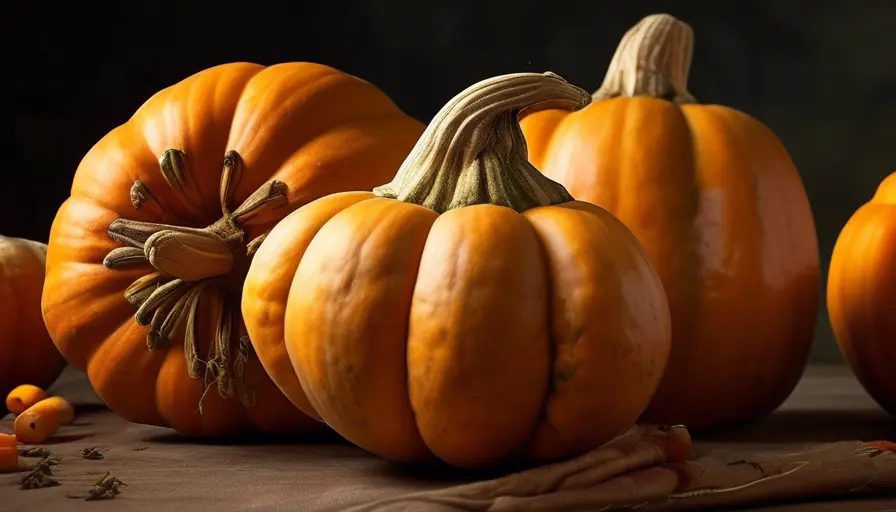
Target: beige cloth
x=166 y=472
x=647 y=468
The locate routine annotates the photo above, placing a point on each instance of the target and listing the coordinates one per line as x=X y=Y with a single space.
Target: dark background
x=820 y=74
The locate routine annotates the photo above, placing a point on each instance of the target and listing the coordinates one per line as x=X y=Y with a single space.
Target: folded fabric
x=648 y=468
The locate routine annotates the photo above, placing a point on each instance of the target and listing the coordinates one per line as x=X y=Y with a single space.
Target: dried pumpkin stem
x=190 y=256
x=154 y=337
x=135 y=233
x=188 y=261
x=473 y=152
x=653 y=59
x=253 y=246
x=140 y=194
x=230 y=176
x=220 y=359
x=142 y=288
x=191 y=351
x=175 y=319
x=174 y=168
x=269 y=196
x=123 y=257
x=173 y=288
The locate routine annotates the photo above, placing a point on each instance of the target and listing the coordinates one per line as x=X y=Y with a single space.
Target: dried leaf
x=91 y=453
x=39 y=477
x=37 y=451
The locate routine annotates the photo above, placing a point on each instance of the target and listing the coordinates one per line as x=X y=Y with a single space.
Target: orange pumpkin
x=861 y=294
x=24 y=396
x=716 y=201
x=27 y=354
x=147 y=257
x=469 y=310
x=43 y=419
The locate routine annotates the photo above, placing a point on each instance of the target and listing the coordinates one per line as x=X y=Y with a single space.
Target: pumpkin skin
x=302 y=130
x=478 y=335
x=720 y=208
x=27 y=354
x=861 y=293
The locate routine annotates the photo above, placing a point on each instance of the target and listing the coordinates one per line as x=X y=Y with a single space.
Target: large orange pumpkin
x=861 y=294
x=716 y=201
x=27 y=354
x=469 y=310
x=147 y=257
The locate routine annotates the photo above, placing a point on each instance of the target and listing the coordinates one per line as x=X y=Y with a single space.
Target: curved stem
x=473 y=152
x=653 y=59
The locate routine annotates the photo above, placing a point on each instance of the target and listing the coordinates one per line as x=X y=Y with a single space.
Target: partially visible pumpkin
x=147 y=257
x=469 y=310
x=27 y=354
x=24 y=396
x=716 y=201
x=861 y=294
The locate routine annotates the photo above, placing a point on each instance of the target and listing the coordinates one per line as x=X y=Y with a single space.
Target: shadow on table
x=810 y=426
x=319 y=438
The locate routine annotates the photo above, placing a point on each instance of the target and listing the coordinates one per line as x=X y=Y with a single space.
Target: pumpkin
x=716 y=201
x=470 y=310
x=43 y=419
x=24 y=396
x=9 y=453
x=27 y=354
x=861 y=294
x=147 y=256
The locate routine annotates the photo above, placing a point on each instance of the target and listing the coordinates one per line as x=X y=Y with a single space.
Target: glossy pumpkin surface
x=716 y=201
x=465 y=330
x=861 y=294
x=164 y=215
x=27 y=354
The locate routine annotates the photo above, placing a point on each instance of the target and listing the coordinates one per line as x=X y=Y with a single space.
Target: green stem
x=653 y=59
x=473 y=152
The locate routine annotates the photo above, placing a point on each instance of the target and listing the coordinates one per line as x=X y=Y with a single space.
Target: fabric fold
x=648 y=468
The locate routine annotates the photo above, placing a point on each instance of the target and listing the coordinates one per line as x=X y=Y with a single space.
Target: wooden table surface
x=165 y=471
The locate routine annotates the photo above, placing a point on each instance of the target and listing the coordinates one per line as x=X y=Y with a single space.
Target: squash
x=27 y=354
x=147 y=256
x=9 y=453
x=861 y=294
x=718 y=204
x=43 y=419
x=24 y=396
x=470 y=310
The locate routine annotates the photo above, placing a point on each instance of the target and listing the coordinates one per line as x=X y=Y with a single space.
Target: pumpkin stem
x=473 y=151
x=186 y=262
x=653 y=59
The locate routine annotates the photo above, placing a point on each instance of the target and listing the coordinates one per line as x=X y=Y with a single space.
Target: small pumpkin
x=9 y=453
x=43 y=419
x=718 y=204
x=861 y=294
x=23 y=397
x=470 y=310
x=27 y=354
x=147 y=256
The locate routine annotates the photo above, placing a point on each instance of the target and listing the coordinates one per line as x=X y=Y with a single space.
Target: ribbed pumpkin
x=27 y=354
x=469 y=310
x=718 y=204
x=861 y=294
x=147 y=257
